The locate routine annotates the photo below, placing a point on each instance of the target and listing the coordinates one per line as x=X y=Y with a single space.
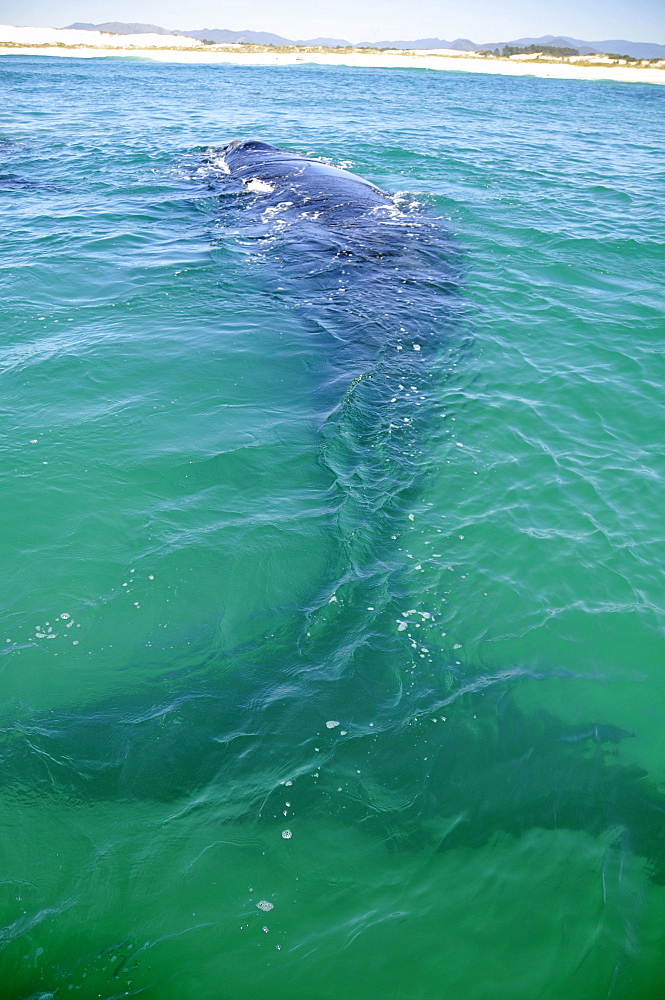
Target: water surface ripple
x=329 y=663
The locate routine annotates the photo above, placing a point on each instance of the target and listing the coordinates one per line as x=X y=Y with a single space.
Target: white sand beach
x=28 y=37
x=81 y=44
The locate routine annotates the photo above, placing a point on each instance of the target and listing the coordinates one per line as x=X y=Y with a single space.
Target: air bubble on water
x=33 y=441
x=412 y=517
x=151 y=577
x=286 y=834
x=416 y=347
x=265 y=930
x=264 y=905
x=65 y=616
x=331 y=724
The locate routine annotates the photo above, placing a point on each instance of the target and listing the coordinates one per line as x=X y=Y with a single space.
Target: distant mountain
x=461 y=44
x=224 y=35
x=584 y=48
x=641 y=50
x=121 y=28
x=638 y=50
x=331 y=43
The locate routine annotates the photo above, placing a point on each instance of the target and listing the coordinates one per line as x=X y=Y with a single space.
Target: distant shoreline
x=572 y=68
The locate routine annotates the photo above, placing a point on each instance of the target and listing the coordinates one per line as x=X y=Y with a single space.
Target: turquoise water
x=314 y=682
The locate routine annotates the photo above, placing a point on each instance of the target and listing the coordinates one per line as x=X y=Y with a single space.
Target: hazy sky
x=368 y=20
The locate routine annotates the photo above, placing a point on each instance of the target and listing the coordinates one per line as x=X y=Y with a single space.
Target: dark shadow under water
x=430 y=780
x=380 y=288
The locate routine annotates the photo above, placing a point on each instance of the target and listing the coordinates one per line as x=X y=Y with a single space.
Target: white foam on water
x=219 y=161
x=257 y=186
x=276 y=209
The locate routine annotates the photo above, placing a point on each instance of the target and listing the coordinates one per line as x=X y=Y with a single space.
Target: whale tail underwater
x=379 y=288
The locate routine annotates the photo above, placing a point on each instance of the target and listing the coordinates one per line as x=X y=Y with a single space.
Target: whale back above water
x=306 y=184
x=378 y=273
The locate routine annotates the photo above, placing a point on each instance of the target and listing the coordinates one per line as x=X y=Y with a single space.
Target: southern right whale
x=381 y=288
x=325 y=192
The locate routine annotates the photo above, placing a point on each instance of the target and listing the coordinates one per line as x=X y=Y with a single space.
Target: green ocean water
x=308 y=687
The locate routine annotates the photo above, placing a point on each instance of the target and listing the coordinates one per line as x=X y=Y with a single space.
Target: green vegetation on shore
x=546 y=50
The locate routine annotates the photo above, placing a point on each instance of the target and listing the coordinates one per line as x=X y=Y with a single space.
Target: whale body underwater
x=381 y=286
